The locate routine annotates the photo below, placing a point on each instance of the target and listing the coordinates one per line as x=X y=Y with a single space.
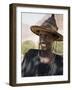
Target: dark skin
x=46 y=41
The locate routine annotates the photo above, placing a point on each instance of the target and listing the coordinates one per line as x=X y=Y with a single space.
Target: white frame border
x=64 y=77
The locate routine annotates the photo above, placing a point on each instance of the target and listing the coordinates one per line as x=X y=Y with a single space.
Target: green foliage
x=26 y=45
x=58 y=47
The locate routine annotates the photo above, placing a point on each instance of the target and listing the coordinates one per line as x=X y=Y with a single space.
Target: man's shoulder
x=58 y=56
x=35 y=51
x=58 y=59
x=32 y=52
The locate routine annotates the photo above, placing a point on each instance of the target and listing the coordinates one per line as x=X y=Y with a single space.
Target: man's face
x=46 y=40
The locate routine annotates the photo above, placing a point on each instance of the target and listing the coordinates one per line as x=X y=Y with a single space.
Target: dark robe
x=32 y=66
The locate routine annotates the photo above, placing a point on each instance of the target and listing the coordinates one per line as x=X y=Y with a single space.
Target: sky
x=29 y=19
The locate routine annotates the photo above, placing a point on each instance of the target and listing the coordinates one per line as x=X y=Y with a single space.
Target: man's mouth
x=43 y=45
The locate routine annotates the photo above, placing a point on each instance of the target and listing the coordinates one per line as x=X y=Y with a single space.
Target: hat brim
x=38 y=29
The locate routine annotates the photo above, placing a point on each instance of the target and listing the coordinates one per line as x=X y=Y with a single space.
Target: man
x=43 y=62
